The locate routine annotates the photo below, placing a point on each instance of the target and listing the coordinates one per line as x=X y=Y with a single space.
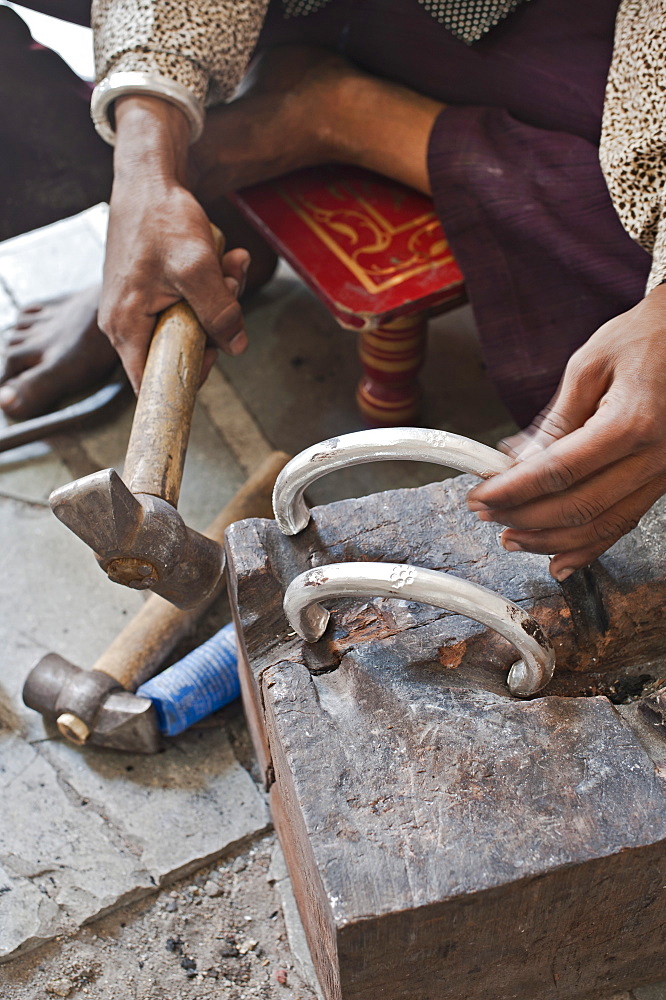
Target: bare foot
x=55 y=350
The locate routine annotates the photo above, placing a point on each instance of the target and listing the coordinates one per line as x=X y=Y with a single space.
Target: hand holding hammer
x=132 y=524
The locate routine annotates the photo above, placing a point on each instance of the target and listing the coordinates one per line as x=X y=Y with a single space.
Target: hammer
x=133 y=526
x=97 y=706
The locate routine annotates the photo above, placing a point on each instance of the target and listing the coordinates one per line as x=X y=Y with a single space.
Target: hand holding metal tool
x=132 y=524
x=416 y=444
x=409 y=583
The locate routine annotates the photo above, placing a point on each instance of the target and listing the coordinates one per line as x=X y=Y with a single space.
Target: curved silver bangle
x=149 y=84
x=384 y=444
x=372 y=579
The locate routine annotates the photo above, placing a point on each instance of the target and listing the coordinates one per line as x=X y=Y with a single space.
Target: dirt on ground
x=217 y=934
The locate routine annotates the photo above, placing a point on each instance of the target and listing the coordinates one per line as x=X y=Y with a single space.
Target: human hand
x=160 y=248
x=594 y=460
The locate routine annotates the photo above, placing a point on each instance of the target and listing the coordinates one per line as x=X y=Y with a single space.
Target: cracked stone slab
x=178 y=809
x=85 y=832
x=29 y=472
x=61 y=865
x=27 y=915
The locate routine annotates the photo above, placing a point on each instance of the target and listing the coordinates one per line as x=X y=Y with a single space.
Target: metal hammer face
x=96 y=706
x=140 y=540
x=89 y=706
x=133 y=527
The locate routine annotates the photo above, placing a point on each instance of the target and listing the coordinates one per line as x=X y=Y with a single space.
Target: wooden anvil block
x=445 y=840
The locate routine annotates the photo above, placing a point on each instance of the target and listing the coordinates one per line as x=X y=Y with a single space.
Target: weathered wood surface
x=447 y=841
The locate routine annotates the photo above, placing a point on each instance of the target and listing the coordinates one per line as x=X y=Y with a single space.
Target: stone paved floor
x=66 y=815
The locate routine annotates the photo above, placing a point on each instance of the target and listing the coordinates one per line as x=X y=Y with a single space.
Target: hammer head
x=88 y=706
x=140 y=540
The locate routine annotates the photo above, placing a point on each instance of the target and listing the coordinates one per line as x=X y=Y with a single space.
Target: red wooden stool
x=374 y=252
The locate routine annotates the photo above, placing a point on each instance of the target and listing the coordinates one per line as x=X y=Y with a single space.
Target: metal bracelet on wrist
x=148 y=85
x=384 y=444
x=372 y=579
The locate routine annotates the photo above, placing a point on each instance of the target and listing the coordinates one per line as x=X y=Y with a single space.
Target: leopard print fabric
x=205 y=46
x=633 y=141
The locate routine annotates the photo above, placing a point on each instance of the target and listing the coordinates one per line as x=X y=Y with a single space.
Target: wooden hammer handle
x=163 y=417
x=139 y=651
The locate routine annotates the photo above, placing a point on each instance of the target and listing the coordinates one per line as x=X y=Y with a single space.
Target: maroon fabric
x=545 y=258
x=514 y=168
x=52 y=163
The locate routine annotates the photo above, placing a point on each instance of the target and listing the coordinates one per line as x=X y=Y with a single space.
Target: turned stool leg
x=388 y=394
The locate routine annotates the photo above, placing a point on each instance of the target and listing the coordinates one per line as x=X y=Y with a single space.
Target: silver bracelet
x=371 y=579
x=151 y=84
x=384 y=444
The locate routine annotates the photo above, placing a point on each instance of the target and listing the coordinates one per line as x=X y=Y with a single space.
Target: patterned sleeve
x=204 y=45
x=633 y=141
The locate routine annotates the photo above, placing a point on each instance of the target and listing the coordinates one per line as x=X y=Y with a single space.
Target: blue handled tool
x=194 y=687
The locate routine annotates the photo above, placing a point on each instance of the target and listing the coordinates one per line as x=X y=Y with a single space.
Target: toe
x=60 y=352
x=29 y=394
x=8 y=398
x=18 y=358
x=14 y=336
x=27 y=317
